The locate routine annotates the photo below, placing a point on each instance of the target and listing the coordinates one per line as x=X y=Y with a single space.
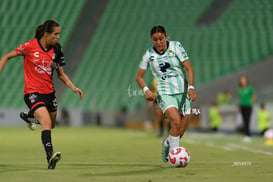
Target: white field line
x=211 y=144
x=249 y=149
x=227 y=146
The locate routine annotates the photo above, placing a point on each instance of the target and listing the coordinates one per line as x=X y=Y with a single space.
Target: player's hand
x=149 y=95
x=192 y=95
x=79 y=92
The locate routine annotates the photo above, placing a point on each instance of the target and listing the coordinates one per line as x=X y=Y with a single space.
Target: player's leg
x=52 y=108
x=185 y=110
x=248 y=114
x=53 y=116
x=246 y=118
x=169 y=105
x=44 y=117
x=160 y=120
x=168 y=125
x=57 y=156
x=175 y=119
x=183 y=126
x=30 y=100
x=31 y=121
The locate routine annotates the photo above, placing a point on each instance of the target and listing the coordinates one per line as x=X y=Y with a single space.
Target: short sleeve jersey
x=167 y=69
x=246 y=96
x=38 y=65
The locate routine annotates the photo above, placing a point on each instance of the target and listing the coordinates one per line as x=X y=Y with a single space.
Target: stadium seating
x=240 y=37
x=18 y=22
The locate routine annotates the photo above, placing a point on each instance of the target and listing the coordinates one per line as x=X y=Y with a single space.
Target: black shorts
x=36 y=100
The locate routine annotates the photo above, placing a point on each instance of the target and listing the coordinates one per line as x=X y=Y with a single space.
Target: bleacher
x=19 y=20
x=242 y=36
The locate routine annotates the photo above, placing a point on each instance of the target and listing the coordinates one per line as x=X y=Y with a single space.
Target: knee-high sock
x=46 y=140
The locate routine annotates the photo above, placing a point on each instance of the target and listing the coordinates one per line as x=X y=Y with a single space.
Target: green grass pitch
x=108 y=154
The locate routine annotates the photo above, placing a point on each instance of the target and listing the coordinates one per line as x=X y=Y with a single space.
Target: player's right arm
x=5 y=59
x=139 y=79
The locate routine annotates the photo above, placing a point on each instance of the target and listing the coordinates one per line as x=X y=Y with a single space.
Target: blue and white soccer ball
x=179 y=157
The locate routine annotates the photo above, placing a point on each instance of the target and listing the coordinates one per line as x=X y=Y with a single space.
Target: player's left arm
x=64 y=78
x=191 y=92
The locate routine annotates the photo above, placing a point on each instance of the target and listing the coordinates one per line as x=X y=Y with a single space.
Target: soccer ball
x=268 y=134
x=179 y=157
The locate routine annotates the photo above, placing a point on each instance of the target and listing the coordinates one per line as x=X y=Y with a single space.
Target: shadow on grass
x=5 y=168
x=121 y=169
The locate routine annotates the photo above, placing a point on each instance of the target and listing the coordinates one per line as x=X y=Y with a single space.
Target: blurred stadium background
x=104 y=41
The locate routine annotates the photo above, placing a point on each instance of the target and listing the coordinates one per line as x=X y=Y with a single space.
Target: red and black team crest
x=32 y=98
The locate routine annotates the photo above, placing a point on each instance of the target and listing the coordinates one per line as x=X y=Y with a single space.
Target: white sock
x=173 y=141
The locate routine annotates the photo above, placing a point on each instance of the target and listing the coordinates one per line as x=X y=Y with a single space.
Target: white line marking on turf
x=227 y=148
x=209 y=144
x=249 y=149
x=205 y=139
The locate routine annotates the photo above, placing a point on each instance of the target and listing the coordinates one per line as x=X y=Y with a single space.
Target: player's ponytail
x=39 y=32
x=46 y=27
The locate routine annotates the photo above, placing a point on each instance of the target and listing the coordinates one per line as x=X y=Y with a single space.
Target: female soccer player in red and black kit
x=41 y=56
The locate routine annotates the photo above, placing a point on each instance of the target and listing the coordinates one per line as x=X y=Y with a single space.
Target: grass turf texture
x=107 y=154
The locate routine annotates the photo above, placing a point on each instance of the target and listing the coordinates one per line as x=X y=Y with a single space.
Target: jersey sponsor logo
x=166 y=71
x=36 y=54
x=45 y=67
x=164 y=77
x=164 y=66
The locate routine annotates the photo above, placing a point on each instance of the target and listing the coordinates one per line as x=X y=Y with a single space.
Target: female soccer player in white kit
x=169 y=62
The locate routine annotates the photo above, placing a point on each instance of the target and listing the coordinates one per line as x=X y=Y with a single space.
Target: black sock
x=46 y=140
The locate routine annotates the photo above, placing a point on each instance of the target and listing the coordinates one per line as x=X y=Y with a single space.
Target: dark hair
x=158 y=28
x=46 y=27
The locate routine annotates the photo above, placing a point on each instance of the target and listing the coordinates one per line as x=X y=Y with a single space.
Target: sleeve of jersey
x=144 y=62
x=59 y=55
x=22 y=49
x=181 y=53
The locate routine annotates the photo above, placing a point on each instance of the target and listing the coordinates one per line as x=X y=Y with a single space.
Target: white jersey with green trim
x=167 y=68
